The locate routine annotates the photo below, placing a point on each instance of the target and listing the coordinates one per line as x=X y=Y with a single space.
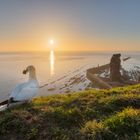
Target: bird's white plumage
x=27 y=90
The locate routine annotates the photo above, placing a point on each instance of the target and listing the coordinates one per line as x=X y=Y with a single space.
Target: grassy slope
x=97 y=115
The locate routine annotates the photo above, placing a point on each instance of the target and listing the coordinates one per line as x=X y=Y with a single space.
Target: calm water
x=49 y=66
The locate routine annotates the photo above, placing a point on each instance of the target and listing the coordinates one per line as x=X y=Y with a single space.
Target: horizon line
x=35 y=51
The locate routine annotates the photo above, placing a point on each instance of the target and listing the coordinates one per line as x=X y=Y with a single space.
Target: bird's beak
x=24 y=71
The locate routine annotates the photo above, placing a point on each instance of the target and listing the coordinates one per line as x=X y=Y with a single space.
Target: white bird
x=25 y=91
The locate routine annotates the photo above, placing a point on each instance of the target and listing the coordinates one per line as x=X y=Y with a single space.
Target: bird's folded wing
x=26 y=94
x=18 y=89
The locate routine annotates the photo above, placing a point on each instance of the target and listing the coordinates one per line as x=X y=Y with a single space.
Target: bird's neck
x=32 y=75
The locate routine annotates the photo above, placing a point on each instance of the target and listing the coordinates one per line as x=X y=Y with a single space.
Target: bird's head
x=29 y=69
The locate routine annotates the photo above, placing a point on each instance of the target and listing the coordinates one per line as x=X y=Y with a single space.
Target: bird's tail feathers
x=10 y=100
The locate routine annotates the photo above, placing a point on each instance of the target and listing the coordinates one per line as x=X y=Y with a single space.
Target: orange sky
x=68 y=45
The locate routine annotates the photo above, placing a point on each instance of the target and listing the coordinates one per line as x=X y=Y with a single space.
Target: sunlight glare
x=51 y=41
x=52 y=59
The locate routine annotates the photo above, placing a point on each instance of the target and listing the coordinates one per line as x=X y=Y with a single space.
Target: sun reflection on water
x=52 y=61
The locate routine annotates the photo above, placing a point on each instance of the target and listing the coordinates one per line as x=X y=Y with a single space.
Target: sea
x=50 y=66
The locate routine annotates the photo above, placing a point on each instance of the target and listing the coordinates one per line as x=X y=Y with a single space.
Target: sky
x=79 y=25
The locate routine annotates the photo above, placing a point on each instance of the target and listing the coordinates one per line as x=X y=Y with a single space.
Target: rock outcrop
x=115 y=66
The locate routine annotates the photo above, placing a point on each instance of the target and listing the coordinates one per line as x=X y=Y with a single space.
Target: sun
x=51 y=41
x=51 y=44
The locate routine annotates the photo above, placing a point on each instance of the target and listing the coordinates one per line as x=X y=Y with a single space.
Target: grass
x=88 y=115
